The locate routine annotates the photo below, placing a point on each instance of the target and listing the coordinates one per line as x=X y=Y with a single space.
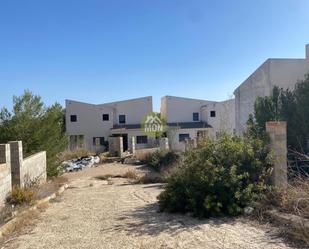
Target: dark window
x=195 y=116
x=122 y=119
x=141 y=139
x=73 y=118
x=213 y=114
x=98 y=141
x=105 y=117
x=183 y=137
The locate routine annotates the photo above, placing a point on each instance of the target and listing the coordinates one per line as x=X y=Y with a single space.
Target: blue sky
x=99 y=51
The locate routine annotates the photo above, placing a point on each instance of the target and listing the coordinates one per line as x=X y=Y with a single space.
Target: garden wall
x=29 y=170
x=5 y=173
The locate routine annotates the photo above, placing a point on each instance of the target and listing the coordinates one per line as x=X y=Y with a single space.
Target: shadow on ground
x=148 y=220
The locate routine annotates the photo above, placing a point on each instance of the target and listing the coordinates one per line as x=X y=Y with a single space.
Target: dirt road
x=92 y=215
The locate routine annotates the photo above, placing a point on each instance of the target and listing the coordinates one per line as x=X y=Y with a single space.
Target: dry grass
x=103 y=177
x=21 y=196
x=68 y=154
x=143 y=153
x=23 y=223
x=148 y=179
x=292 y=200
x=131 y=174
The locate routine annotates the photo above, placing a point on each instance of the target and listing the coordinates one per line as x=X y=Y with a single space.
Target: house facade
x=283 y=73
x=89 y=125
x=194 y=118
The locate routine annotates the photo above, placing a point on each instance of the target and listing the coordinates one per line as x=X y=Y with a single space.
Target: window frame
x=124 y=120
x=195 y=116
x=73 y=118
x=185 y=136
x=213 y=114
x=102 y=140
x=104 y=115
x=142 y=141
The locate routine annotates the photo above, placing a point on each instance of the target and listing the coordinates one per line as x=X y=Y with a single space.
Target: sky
x=100 y=51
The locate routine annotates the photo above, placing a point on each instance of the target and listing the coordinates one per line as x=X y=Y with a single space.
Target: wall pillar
x=116 y=146
x=277 y=131
x=16 y=161
x=133 y=145
x=164 y=143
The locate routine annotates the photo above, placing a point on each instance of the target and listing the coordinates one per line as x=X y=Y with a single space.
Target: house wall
x=173 y=137
x=273 y=72
x=133 y=133
x=225 y=116
x=90 y=122
x=178 y=109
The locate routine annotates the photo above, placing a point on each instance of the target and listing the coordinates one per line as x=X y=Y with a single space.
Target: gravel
x=94 y=214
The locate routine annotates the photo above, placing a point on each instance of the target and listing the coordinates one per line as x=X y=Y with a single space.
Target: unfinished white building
x=192 y=118
x=273 y=72
x=89 y=126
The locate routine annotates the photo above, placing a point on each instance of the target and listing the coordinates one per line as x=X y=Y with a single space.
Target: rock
x=248 y=210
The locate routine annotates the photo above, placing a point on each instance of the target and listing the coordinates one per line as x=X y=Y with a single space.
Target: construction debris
x=80 y=163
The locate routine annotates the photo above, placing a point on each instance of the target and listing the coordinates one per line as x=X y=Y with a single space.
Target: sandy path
x=94 y=215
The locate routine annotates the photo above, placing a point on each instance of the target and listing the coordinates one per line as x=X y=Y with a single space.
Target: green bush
x=161 y=159
x=218 y=177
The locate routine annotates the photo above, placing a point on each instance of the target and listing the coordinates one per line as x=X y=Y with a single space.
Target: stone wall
x=5 y=173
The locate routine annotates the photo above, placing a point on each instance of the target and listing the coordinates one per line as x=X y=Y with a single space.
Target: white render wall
x=90 y=123
x=273 y=72
x=178 y=109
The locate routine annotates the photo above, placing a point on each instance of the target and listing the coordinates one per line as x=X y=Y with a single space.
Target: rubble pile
x=80 y=163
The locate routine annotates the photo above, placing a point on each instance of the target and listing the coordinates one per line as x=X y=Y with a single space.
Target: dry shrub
x=292 y=200
x=73 y=154
x=131 y=174
x=148 y=178
x=141 y=154
x=104 y=156
x=21 y=196
x=103 y=177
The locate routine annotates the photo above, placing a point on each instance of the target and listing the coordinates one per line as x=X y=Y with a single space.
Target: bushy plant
x=161 y=159
x=40 y=128
x=291 y=106
x=21 y=196
x=219 y=177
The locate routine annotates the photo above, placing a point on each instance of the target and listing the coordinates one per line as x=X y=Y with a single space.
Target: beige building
x=193 y=118
x=273 y=72
x=89 y=125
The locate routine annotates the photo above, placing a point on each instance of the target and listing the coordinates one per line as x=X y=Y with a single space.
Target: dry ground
x=92 y=214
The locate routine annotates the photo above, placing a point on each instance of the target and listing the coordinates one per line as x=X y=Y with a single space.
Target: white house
x=89 y=125
x=193 y=118
x=273 y=72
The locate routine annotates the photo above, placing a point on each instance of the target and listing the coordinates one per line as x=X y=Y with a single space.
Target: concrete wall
x=29 y=170
x=278 y=143
x=33 y=169
x=90 y=123
x=5 y=173
x=273 y=72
